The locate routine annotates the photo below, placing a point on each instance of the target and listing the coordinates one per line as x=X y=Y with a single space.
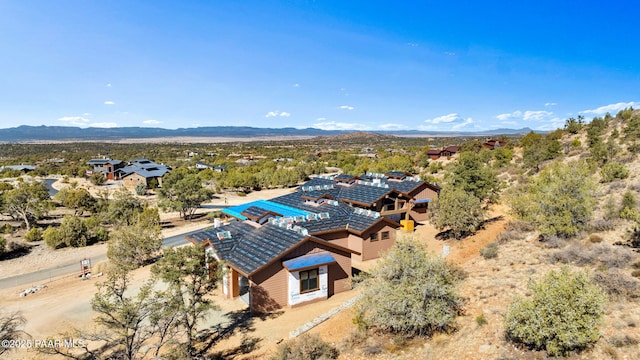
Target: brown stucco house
x=277 y=264
x=493 y=144
x=297 y=248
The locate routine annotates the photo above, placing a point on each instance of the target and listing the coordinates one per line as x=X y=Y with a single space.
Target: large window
x=373 y=237
x=309 y=280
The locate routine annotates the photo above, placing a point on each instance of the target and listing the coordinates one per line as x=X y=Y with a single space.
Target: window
x=309 y=280
x=385 y=235
x=391 y=207
x=373 y=237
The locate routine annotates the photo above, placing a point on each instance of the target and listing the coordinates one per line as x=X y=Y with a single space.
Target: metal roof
x=249 y=247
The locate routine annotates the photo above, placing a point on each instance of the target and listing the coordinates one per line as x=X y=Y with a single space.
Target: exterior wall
x=339 y=238
x=133 y=180
x=373 y=249
x=270 y=287
x=419 y=213
x=356 y=244
x=296 y=298
x=230 y=284
x=426 y=193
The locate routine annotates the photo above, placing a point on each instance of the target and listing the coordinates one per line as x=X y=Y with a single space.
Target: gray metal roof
x=249 y=247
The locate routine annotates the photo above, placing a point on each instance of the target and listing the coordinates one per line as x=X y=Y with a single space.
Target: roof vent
x=223 y=235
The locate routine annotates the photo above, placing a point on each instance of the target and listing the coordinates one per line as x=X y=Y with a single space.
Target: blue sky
x=366 y=65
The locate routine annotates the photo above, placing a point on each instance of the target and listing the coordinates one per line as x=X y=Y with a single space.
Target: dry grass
x=602 y=255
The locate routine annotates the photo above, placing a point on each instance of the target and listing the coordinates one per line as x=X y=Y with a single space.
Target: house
x=367 y=233
x=106 y=166
x=493 y=144
x=219 y=168
x=450 y=151
x=277 y=264
x=142 y=171
x=434 y=154
x=298 y=248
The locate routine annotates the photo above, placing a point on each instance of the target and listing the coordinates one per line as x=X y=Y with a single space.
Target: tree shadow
x=16 y=250
x=240 y=321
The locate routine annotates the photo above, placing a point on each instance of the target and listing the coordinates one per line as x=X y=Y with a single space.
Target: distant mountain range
x=67 y=133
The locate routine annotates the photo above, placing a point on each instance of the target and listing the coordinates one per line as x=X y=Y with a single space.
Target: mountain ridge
x=66 y=133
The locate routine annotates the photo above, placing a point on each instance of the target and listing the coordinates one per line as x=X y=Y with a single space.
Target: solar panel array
x=250 y=248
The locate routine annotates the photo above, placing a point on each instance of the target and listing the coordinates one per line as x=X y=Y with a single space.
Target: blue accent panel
x=307 y=261
x=421 y=201
x=264 y=204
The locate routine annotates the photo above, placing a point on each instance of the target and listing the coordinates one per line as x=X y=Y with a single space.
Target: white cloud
x=332 y=125
x=467 y=121
x=109 y=85
x=277 y=113
x=550 y=104
x=296 y=85
x=448 y=122
x=536 y=115
x=74 y=120
x=392 y=126
x=104 y=124
x=321 y=119
x=611 y=108
x=515 y=114
x=108 y=102
x=527 y=115
x=346 y=107
x=152 y=122
x=86 y=114
x=445 y=119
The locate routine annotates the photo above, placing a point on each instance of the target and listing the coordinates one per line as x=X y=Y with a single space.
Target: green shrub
x=53 y=238
x=141 y=189
x=563 y=315
x=481 y=320
x=490 y=251
x=6 y=229
x=613 y=171
x=306 y=347
x=3 y=245
x=241 y=194
x=435 y=166
x=33 y=235
x=98 y=179
x=410 y=293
